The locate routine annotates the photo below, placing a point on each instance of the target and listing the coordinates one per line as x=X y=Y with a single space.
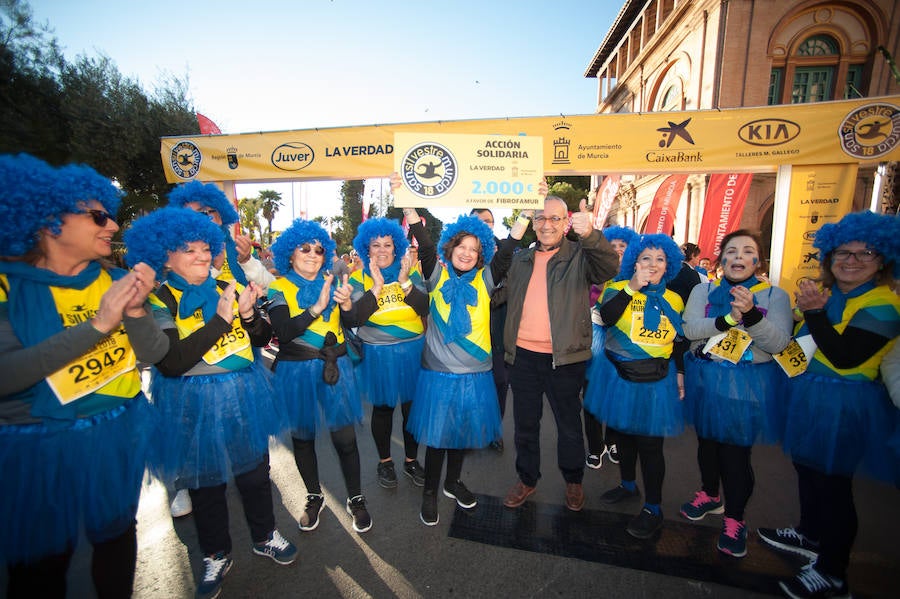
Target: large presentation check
x=477 y=171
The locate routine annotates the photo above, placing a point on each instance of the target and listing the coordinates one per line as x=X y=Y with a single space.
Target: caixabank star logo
x=870 y=131
x=429 y=170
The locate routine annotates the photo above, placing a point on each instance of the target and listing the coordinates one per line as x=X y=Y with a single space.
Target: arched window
x=814 y=83
x=821 y=52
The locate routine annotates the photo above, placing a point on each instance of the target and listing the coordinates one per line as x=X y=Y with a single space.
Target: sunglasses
x=307 y=248
x=101 y=217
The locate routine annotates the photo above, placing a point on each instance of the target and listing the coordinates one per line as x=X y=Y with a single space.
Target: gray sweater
x=770 y=335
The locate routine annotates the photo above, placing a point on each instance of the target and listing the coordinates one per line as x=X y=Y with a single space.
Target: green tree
x=249 y=209
x=351 y=215
x=86 y=111
x=570 y=189
x=270 y=202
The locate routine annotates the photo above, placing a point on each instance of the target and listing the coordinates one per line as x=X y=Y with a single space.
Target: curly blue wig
x=657 y=241
x=473 y=226
x=625 y=234
x=206 y=194
x=300 y=232
x=881 y=232
x=151 y=238
x=379 y=227
x=26 y=201
x=37 y=196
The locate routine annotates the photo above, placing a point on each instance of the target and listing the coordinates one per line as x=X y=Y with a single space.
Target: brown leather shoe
x=574 y=496
x=518 y=494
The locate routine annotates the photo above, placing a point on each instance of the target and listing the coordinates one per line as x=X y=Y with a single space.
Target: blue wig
x=379 y=227
x=471 y=225
x=657 y=241
x=205 y=194
x=26 y=203
x=300 y=232
x=624 y=234
x=880 y=232
x=37 y=196
x=151 y=238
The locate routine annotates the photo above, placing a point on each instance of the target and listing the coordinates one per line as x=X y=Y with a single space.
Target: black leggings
x=383 y=425
x=211 y=510
x=112 y=570
x=653 y=463
x=344 y=441
x=434 y=463
x=828 y=515
x=729 y=464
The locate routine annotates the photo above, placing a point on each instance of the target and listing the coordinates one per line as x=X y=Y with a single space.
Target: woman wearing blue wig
x=389 y=303
x=639 y=397
x=735 y=324
x=455 y=407
x=839 y=417
x=313 y=372
x=75 y=426
x=237 y=262
x=215 y=401
x=598 y=445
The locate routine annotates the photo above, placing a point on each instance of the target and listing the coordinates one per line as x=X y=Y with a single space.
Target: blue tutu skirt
x=455 y=411
x=215 y=426
x=387 y=374
x=894 y=450
x=598 y=344
x=839 y=426
x=312 y=404
x=56 y=481
x=651 y=409
x=733 y=403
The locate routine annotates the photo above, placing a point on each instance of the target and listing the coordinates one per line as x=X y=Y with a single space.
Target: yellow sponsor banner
x=819 y=194
x=732 y=140
x=480 y=171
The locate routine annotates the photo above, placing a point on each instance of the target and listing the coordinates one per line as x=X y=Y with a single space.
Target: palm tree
x=270 y=201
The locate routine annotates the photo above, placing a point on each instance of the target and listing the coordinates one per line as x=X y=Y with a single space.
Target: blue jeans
x=531 y=377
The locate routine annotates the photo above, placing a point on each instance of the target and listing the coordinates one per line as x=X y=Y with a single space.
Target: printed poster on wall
x=476 y=171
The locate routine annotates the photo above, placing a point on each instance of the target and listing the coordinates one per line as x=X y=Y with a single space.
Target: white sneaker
x=181 y=505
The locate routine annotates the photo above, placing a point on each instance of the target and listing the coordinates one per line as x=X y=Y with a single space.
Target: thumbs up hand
x=583 y=220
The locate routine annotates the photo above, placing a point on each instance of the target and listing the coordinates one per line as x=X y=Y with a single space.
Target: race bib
x=793 y=359
x=664 y=335
x=108 y=360
x=729 y=345
x=391 y=297
x=232 y=342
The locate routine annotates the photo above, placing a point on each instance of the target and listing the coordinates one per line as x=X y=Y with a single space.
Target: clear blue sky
x=272 y=65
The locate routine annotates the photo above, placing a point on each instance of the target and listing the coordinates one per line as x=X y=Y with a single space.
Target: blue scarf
x=308 y=291
x=720 y=297
x=204 y=296
x=459 y=293
x=656 y=305
x=34 y=317
x=389 y=273
x=232 y=256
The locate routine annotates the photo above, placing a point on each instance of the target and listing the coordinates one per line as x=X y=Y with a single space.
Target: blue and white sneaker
x=279 y=549
x=215 y=567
